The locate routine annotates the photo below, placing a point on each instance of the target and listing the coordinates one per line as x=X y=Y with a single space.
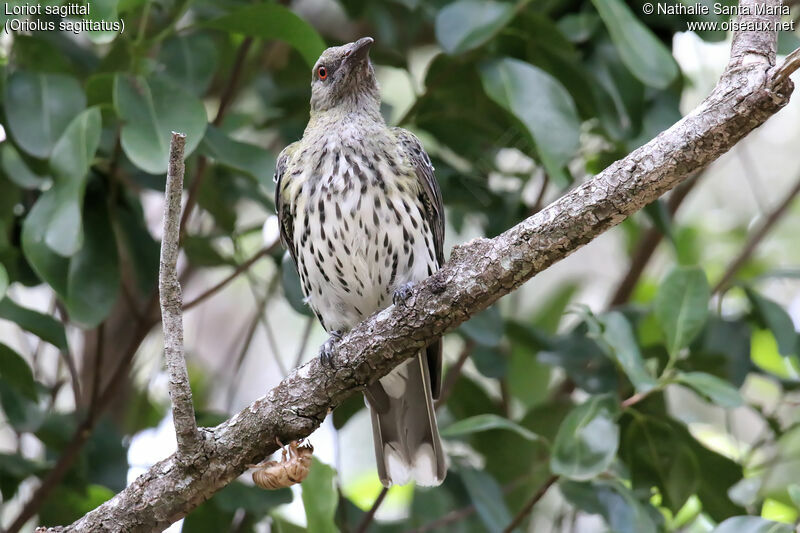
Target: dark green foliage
x=548 y=387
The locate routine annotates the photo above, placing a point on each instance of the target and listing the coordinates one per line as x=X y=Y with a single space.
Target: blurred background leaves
x=674 y=408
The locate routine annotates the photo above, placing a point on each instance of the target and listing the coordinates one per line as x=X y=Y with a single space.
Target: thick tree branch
x=478 y=274
x=172 y=303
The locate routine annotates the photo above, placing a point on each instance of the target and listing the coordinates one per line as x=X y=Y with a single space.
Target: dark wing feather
x=285 y=220
x=412 y=147
x=434 y=211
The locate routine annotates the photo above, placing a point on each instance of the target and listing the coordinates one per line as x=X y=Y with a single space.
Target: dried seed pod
x=292 y=468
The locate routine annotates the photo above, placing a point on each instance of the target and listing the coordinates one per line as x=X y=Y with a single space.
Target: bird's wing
x=434 y=210
x=285 y=219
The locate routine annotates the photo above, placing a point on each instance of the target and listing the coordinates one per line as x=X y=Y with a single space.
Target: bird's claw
x=402 y=293
x=326 y=352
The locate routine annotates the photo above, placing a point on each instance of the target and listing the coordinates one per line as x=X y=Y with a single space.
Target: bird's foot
x=402 y=293
x=326 y=352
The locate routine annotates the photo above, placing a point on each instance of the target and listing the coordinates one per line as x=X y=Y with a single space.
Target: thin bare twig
x=785 y=69
x=248 y=339
x=528 y=507
x=172 y=302
x=453 y=516
x=756 y=237
x=262 y=316
x=452 y=375
x=367 y=520
x=303 y=341
x=233 y=275
x=98 y=367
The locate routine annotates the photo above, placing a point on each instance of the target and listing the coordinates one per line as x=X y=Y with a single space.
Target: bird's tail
x=407 y=444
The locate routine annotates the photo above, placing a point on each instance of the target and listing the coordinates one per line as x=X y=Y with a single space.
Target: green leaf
x=794 y=494
x=587 y=440
x=201 y=252
x=486 y=495
x=43 y=326
x=660 y=452
x=620 y=338
x=724 y=350
x=18 y=172
x=613 y=501
x=765 y=355
x=485 y=328
x=73 y=153
x=103 y=10
x=72 y=156
x=320 y=498
x=467 y=24
x=66 y=504
x=641 y=51
x=528 y=378
x=551 y=311
x=190 y=61
x=138 y=246
x=49 y=266
x=151 y=109
x=273 y=21
x=22 y=413
x=100 y=89
x=257 y=502
x=659 y=215
x=39 y=107
x=541 y=103
x=93 y=278
x=774 y=317
x=579 y=27
x=486 y=422
x=3 y=281
x=718 y=391
x=681 y=306
x=60 y=228
x=244 y=157
x=584 y=361
x=618 y=96
x=657 y=457
x=14 y=469
x=15 y=371
x=491 y=362
x=345 y=410
x=751 y=524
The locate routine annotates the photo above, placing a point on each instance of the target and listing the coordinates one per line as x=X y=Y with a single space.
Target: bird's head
x=343 y=79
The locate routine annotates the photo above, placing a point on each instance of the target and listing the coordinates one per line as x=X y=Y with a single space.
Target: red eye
x=322 y=72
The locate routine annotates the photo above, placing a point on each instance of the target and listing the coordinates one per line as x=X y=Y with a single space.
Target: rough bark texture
x=172 y=305
x=478 y=273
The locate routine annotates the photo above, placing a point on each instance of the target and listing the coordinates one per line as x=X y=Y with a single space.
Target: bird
x=361 y=214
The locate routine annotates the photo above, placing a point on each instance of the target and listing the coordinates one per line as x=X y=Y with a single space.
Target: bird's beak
x=359 y=50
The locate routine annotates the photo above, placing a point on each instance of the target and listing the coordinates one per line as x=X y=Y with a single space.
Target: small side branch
x=785 y=69
x=528 y=507
x=756 y=237
x=172 y=303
